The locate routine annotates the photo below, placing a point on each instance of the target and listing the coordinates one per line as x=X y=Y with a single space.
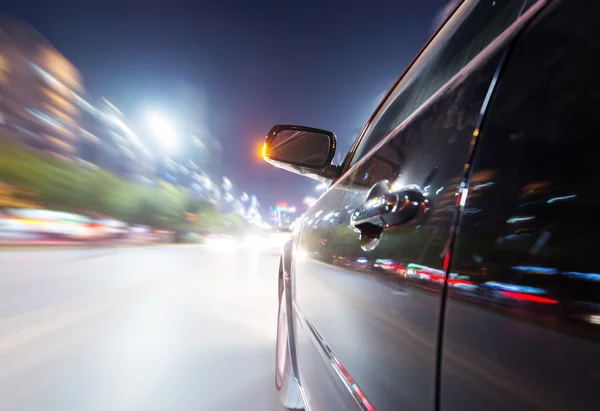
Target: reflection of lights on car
x=593 y=319
x=309 y=201
x=584 y=276
x=483 y=185
x=301 y=254
x=321 y=186
x=528 y=297
x=462 y=284
x=563 y=198
x=519 y=219
x=535 y=270
x=514 y=288
x=397 y=185
x=372 y=203
x=425 y=273
x=463 y=196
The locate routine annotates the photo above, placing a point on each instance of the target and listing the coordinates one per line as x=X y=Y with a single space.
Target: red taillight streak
x=435 y=277
x=440 y=278
x=465 y=282
x=528 y=297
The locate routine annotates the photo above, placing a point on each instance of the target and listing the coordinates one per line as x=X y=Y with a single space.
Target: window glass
x=467 y=33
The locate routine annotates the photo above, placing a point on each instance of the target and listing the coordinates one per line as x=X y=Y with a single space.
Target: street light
x=164 y=131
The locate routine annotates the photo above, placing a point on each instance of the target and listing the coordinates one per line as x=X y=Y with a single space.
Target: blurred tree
x=13 y=197
x=208 y=220
x=64 y=186
x=195 y=204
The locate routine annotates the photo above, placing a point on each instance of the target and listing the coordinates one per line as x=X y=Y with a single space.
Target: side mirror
x=302 y=150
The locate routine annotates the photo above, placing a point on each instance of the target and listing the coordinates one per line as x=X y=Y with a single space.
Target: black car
x=451 y=264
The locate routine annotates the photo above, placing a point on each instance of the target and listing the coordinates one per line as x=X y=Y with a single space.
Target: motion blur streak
x=527 y=297
x=137 y=328
x=73 y=166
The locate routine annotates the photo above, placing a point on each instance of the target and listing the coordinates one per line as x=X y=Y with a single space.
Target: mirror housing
x=302 y=150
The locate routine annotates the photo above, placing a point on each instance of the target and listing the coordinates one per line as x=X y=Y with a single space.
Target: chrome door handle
x=384 y=209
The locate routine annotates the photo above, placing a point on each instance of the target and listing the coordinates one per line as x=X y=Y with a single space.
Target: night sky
x=247 y=64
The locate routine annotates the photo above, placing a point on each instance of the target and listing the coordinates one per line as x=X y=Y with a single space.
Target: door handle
x=384 y=208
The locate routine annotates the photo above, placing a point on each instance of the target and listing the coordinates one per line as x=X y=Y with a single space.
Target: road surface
x=137 y=328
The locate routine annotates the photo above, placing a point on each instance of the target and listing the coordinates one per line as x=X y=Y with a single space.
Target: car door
x=522 y=326
x=367 y=303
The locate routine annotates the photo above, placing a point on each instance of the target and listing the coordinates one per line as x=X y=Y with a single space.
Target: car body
x=450 y=265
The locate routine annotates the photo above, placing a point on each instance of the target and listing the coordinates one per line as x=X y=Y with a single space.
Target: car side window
x=472 y=27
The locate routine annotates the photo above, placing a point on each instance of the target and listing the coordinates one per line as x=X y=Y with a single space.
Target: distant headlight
x=279 y=238
x=255 y=240
x=221 y=243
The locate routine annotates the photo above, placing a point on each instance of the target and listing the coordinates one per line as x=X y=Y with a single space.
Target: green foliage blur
x=55 y=184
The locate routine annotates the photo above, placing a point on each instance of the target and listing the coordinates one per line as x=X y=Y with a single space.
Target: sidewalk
x=37 y=241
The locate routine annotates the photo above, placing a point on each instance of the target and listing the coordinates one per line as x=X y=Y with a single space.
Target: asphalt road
x=137 y=328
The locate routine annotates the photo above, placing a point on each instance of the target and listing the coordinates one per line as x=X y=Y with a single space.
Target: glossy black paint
x=523 y=319
x=374 y=308
x=494 y=279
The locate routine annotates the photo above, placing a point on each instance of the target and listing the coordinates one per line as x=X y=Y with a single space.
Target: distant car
x=452 y=262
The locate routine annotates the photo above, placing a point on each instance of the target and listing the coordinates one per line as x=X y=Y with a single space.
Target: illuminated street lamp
x=164 y=131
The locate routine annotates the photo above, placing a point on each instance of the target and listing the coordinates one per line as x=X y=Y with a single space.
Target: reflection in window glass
x=482 y=24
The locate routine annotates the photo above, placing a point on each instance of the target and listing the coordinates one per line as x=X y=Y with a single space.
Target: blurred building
x=39 y=90
x=43 y=105
x=106 y=141
x=207 y=152
x=201 y=153
x=197 y=167
x=252 y=213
